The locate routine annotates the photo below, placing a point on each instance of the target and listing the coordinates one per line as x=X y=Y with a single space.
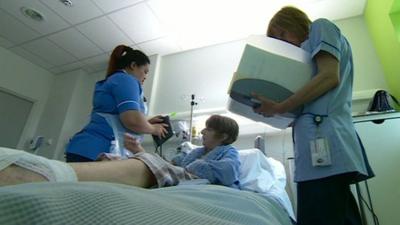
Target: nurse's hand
x=132 y=144
x=268 y=107
x=159 y=129
x=156 y=119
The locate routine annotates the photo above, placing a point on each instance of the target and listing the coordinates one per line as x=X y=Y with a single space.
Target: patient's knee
x=13 y=175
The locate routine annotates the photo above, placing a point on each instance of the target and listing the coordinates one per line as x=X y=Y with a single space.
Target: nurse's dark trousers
x=327 y=201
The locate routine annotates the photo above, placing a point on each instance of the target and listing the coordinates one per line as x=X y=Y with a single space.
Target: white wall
x=55 y=113
x=368 y=71
x=79 y=108
x=205 y=72
x=151 y=82
x=25 y=80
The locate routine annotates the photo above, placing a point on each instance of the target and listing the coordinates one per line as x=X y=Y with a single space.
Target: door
x=14 y=112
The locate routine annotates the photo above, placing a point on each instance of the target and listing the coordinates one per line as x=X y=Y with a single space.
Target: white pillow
x=264 y=175
x=259 y=173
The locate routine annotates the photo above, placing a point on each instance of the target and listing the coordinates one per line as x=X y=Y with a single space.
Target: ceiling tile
x=70 y=67
x=49 y=51
x=138 y=22
x=108 y=6
x=52 y=22
x=99 y=68
x=90 y=69
x=55 y=70
x=74 y=42
x=99 y=60
x=94 y=69
x=35 y=59
x=80 y=11
x=97 y=63
x=104 y=33
x=5 y=43
x=161 y=46
x=17 y=32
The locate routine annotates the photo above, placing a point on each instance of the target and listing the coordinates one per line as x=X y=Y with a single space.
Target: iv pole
x=192 y=104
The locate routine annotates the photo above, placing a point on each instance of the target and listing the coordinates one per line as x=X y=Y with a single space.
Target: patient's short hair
x=224 y=125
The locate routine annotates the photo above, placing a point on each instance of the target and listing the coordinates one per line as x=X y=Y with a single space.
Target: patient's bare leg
x=131 y=172
x=24 y=167
x=17 y=175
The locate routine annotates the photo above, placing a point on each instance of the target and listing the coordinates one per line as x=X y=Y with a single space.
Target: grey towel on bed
x=165 y=173
x=105 y=203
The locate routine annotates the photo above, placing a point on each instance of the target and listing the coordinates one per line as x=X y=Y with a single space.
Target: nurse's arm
x=326 y=79
x=137 y=122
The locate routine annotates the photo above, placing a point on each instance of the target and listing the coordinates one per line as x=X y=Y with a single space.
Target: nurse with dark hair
x=120 y=94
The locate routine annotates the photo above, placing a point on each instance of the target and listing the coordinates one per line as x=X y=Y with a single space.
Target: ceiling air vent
x=32 y=13
x=67 y=3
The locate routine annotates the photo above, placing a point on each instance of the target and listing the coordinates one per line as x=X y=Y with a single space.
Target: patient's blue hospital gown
x=220 y=166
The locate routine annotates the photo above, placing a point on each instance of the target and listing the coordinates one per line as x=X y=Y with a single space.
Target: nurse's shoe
x=17 y=166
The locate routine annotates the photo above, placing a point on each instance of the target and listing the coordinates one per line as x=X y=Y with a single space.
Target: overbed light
x=195 y=23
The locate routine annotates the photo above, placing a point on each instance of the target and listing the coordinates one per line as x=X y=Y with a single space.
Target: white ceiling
x=83 y=35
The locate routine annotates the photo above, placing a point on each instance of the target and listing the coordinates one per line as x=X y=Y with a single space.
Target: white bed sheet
x=105 y=203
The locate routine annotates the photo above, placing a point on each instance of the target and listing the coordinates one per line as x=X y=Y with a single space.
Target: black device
x=159 y=141
x=381 y=102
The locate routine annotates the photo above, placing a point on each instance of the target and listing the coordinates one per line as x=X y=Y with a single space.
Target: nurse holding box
x=328 y=154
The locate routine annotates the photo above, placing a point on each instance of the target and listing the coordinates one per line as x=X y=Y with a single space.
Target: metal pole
x=192 y=103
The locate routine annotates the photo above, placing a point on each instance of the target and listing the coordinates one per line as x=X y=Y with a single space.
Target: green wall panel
x=395 y=17
x=383 y=21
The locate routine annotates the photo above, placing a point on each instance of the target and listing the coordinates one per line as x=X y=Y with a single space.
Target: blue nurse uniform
x=118 y=93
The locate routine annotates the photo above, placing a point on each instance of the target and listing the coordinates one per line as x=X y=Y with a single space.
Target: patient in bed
x=217 y=161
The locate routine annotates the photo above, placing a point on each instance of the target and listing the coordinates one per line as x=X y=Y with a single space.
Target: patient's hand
x=132 y=144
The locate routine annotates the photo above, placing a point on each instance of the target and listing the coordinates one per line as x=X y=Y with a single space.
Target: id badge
x=320 y=153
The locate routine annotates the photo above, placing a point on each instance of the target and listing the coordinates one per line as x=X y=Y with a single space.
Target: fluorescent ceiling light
x=193 y=23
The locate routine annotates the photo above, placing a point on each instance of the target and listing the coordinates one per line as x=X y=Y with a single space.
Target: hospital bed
x=262 y=200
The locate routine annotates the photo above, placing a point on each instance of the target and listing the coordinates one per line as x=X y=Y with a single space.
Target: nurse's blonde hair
x=291 y=19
